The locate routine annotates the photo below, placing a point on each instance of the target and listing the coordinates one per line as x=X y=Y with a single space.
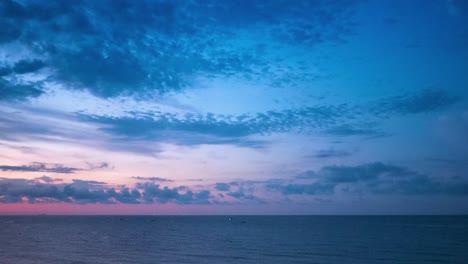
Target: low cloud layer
x=47 y=190
x=373 y=178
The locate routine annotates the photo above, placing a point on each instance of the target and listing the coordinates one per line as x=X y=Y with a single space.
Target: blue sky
x=234 y=107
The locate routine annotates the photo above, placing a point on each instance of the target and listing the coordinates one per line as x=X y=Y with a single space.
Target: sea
x=233 y=239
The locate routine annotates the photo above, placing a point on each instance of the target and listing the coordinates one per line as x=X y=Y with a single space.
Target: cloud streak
x=157 y=179
x=41 y=167
x=335 y=120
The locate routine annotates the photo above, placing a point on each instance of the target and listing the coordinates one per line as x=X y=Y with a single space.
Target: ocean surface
x=241 y=239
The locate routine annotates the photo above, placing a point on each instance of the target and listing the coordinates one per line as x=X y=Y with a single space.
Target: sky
x=233 y=107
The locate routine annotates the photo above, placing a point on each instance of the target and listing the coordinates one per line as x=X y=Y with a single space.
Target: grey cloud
x=376 y=178
x=40 y=167
x=102 y=165
x=46 y=190
x=241 y=195
x=48 y=179
x=349 y=130
x=243 y=190
x=309 y=189
x=158 y=179
x=13 y=191
x=151 y=192
x=16 y=126
x=12 y=91
x=220 y=186
x=126 y=195
x=331 y=153
x=413 y=103
x=217 y=129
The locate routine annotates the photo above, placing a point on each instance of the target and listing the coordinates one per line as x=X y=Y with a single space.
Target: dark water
x=244 y=239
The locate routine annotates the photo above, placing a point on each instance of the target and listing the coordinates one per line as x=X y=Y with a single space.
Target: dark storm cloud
x=140 y=47
x=40 y=167
x=45 y=190
x=376 y=178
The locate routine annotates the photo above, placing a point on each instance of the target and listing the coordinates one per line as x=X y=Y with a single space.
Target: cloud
x=13 y=191
x=331 y=153
x=48 y=179
x=27 y=66
x=47 y=190
x=16 y=91
x=151 y=192
x=335 y=120
x=4 y=71
x=125 y=195
x=414 y=103
x=308 y=189
x=376 y=178
x=102 y=165
x=240 y=194
x=158 y=179
x=40 y=167
x=191 y=129
x=222 y=186
x=144 y=47
x=345 y=130
x=338 y=120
